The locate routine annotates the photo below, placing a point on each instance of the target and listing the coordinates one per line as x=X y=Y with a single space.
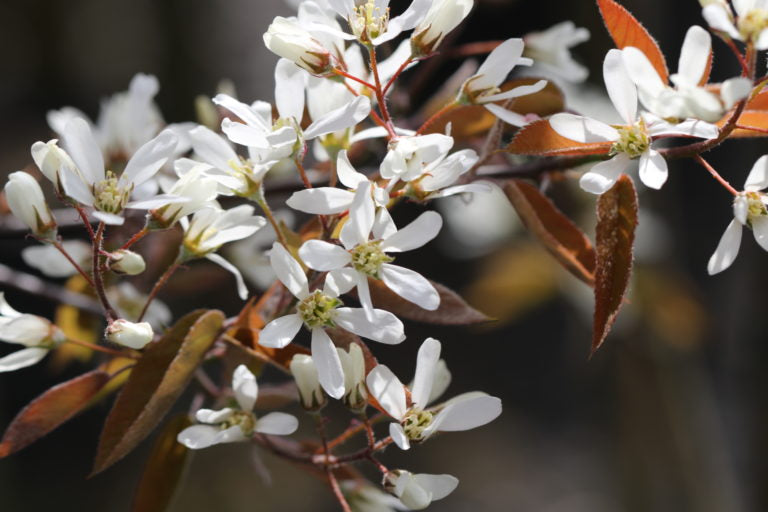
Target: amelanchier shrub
x=347 y=155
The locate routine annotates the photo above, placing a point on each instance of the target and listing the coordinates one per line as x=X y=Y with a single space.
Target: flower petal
x=245 y=387
x=340 y=119
x=621 y=89
x=321 y=200
x=509 y=117
x=411 y=286
x=414 y=235
x=280 y=332
x=426 y=365
x=242 y=289
x=467 y=411
x=642 y=72
x=377 y=325
x=22 y=358
x=197 y=437
x=361 y=217
x=760 y=229
x=290 y=82
x=727 y=249
x=653 y=169
x=387 y=389
x=758 y=176
x=439 y=486
x=214 y=417
x=347 y=174
x=149 y=158
x=326 y=358
x=398 y=436
x=277 y=424
x=602 y=176
x=82 y=146
x=719 y=19
x=212 y=148
x=694 y=55
x=288 y=271
x=582 y=129
x=323 y=256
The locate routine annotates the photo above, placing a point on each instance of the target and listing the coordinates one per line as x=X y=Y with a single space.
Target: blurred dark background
x=668 y=416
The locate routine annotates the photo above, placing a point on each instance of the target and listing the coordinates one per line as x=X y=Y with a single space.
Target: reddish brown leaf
x=627 y=31
x=51 y=409
x=453 y=309
x=155 y=383
x=567 y=243
x=164 y=469
x=616 y=223
x=755 y=119
x=540 y=139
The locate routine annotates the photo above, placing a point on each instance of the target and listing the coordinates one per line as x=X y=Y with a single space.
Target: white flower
x=687 y=99
x=410 y=157
x=305 y=374
x=363 y=257
x=750 y=24
x=629 y=141
x=353 y=364
x=194 y=186
x=367 y=498
x=91 y=185
x=130 y=334
x=231 y=425
x=417 y=491
x=482 y=88
x=417 y=422
x=37 y=334
x=288 y=39
x=211 y=227
x=551 y=49
x=442 y=17
x=26 y=201
x=319 y=309
x=749 y=209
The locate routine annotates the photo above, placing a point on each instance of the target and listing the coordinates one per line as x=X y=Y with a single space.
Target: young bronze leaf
x=164 y=469
x=752 y=123
x=156 y=381
x=453 y=309
x=51 y=409
x=538 y=138
x=567 y=243
x=627 y=31
x=616 y=223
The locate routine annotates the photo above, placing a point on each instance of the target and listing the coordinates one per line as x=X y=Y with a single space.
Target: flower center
x=415 y=422
x=751 y=25
x=243 y=419
x=368 y=22
x=755 y=205
x=318 y=310
x=633 y=140
x=108 y=196
x=368 y=258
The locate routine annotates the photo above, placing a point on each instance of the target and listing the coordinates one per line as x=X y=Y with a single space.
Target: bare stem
x=57 y=244
x=98 y=282
x=135 y=238
x=380 y=93
x=437 y=115
x=262 y=202
x=397 y=75
x=716 y=175
x=158 y=285
x=99 y=348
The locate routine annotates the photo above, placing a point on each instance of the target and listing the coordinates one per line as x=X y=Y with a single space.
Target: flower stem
x=99 y=348
x=135 y=238
x=716 y=175
x=355 y=79
x=437 y=115
x=262 y=202
x=98 y=282
x=158 y=285
x=397 y=75
x=380 y=93
x=57 y=244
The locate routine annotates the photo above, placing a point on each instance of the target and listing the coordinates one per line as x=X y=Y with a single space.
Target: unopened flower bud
x=50 y=158
x=353 y=364
x=442 y=17
x=289 y=40
x=305 y=373
x=127 y=262
x=26 y=201
x=130 y=334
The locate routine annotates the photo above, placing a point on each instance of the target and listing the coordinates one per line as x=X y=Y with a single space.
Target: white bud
x=130 y=334
x=353 y=365
x=26 y=201
x=442 y=17
x=289 y=40
x=305 y=373
x=50 y=158
x=127 y=262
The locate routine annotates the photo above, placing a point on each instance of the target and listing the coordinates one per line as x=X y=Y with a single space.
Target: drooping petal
x=241 y=110
x=388 y=391
x=340 y=119
x=377 y=325
x=197 y=437
x=582 y=129
x=498 y=64
x=277 y=424
x=361 y=216
x=242 y=289
x=509 y=117
x=760 y=229
x=326 y=358
x=727 y=249
x=602 y=176
x=426 y=365
x=621 y=89
x=523 y=90
x=290 y=82
x=347 y=174
x=414 y=235
x=245 y=387
x=411 y=286
x=741 y=208
x=289 y=271
x=323 y=256
x=718 y=18
x=734 y=90
x=212 y=416
x=22 y=358
x=439 y=486
x=75 y=187
x=398 y=436
x=653 y=169
x=758 y=176
x=280 y=332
